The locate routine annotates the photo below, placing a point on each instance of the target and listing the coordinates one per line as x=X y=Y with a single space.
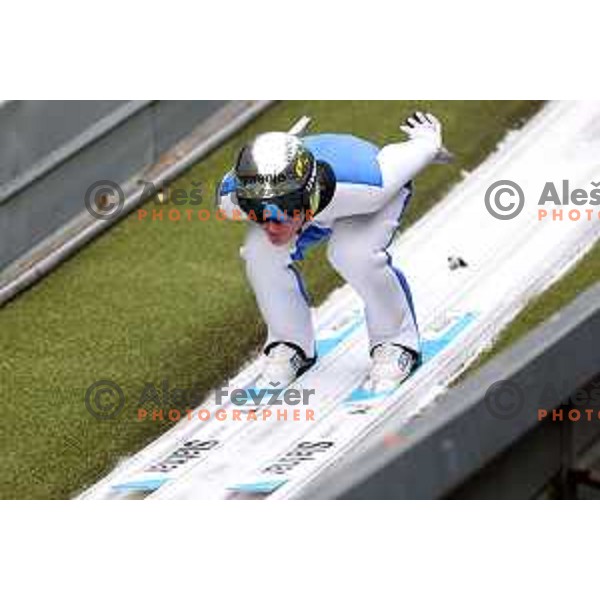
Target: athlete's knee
x=258 y=257
x=256 y=247
x=252 y=249
x=341 y=255
x=350 y=259
x=247 y=255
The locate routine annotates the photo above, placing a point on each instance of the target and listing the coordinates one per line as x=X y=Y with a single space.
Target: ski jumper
x=372 y=189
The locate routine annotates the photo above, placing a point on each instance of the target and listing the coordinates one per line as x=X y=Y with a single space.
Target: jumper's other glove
x=425 y=126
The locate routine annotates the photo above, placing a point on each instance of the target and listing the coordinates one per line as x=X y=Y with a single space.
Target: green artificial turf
x=153 y=300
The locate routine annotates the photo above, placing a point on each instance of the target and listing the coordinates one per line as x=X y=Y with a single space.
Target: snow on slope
x=509 y=261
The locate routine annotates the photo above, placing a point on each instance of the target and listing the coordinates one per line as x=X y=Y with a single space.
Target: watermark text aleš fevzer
x=506 y=400
x=105 y=400
x=105 y=200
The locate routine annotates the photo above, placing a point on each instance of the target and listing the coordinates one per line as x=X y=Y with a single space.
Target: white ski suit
x=372 y=189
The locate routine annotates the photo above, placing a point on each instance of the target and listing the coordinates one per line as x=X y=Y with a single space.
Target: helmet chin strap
x=315 y=197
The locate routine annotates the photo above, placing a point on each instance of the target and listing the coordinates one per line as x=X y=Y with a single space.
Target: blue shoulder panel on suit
x=352 y=159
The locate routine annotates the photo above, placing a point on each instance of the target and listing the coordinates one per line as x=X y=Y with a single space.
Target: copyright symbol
x=504 y=400
x=104 y=199
x=501 y=207
x=104 y=400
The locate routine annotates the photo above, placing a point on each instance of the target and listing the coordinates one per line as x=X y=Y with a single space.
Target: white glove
x=424 y=127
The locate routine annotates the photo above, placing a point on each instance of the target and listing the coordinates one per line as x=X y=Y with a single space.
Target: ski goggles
x=272 y=209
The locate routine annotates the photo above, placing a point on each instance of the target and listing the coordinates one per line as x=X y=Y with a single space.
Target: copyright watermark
x=506 y=400
x=557 y=201
x=105 y=400
x=504 y=199
x=104 y=200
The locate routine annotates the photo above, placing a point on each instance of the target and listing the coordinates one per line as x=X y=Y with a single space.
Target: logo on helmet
x=302 y=165
x=267 y=178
